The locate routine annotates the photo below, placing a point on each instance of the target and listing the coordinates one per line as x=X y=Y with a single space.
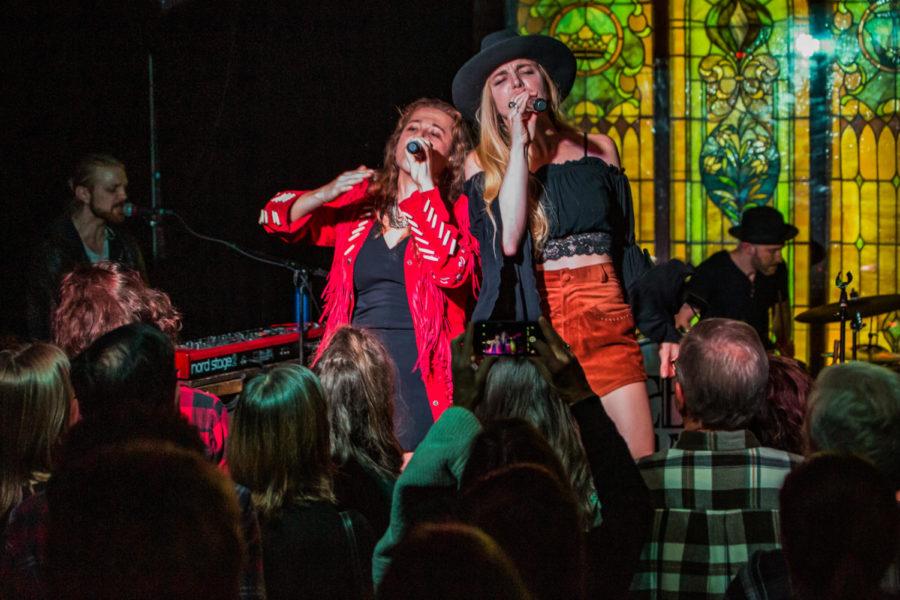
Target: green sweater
x=438 y=462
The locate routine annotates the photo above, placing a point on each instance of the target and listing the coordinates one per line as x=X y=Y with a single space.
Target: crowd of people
x=406 y=463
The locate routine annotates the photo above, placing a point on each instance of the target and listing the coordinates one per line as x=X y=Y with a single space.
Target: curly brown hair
x=95 y=299
x=384 y=186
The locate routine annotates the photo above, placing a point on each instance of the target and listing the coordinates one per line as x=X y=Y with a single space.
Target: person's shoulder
x=714 y=261
x=58 y=231
x=602 y=146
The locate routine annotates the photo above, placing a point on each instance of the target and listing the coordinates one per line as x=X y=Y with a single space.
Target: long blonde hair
x=493 y=155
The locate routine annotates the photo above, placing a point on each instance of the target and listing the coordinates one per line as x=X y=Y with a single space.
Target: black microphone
x=414 y=147
x=133 y=210
x=537 y=105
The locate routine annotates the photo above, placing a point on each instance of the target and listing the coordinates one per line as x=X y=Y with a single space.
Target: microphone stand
x=301 y=273
x=843 y=312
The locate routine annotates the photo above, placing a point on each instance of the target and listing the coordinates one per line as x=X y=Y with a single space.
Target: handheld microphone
x=133 y=210
x=537 y=105
x=414 y=147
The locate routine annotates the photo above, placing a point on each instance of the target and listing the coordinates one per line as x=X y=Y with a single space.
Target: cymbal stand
x=844 y=306
x=856 y=325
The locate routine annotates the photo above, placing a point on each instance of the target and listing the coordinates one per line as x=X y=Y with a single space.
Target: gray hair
x=723 y=372
x=855 y=407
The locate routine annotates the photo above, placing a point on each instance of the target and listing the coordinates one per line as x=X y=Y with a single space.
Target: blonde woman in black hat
x=750 y=282
x=551 y=210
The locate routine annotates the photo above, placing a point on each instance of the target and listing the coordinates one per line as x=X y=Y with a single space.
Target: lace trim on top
x=591 y=242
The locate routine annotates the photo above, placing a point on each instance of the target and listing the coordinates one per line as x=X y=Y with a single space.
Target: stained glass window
x=866 y=165
x=740 y=109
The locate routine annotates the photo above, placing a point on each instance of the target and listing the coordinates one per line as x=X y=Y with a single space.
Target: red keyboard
x=218 y=354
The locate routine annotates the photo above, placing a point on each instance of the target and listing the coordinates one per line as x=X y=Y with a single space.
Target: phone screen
x=506 y=338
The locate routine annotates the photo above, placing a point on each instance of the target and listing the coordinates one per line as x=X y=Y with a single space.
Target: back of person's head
x=779 y=423
x=448 y=561
x=97 y=298
x=85 y=170
x=535 y=518
x=722 y=371
x=855 y=407
x=515 y=388
x=129 y=371
x=91 y=434
x=357 y=374
x=35 y=409
x=839 y=528
x=505 y=442
x=279 y=446
x=143 y=520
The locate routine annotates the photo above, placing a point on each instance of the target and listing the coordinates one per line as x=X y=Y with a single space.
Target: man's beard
x=110 y=216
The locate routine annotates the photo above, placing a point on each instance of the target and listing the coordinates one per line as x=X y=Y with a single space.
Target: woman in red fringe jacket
x=403 y=260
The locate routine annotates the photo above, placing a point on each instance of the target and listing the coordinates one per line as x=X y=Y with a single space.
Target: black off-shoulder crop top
x=583 y=201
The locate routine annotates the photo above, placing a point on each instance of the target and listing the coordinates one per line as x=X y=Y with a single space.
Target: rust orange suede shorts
x=586 y=307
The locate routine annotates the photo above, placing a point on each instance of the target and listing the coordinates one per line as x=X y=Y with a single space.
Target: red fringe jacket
x=439 y=266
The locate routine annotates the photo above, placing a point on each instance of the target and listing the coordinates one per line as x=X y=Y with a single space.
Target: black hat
x=501 y=47
x=763 y=225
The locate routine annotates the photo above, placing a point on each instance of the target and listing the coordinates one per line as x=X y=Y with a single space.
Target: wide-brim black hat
x=501 y=47
x=763 y=225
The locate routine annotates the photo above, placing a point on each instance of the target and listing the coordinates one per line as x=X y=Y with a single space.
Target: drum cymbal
x=868 y=306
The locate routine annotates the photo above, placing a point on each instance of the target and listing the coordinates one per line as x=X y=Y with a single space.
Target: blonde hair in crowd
x=493 y=155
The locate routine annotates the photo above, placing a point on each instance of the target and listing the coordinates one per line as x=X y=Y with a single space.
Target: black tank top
x=380 y=284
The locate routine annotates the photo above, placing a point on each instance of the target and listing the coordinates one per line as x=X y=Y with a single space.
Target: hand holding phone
x=563 y=367
x=507 y=338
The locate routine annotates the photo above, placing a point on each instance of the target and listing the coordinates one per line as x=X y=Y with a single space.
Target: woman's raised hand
x=564 y=370
x=469 y=375
x=419 y=164
x=342 y=183
x=521 y=120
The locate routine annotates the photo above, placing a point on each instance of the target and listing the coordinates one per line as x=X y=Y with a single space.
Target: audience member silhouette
x=779 y=423
x=515 y=388
x=855 y=407
x=535 y=518
x=357 y=375
x=441 y=462
x=36 y=408
x=145 y=520
x=716 y=492
x=839 y=530
x=125 y=382
x=280 y=449
x=95 y=299
x=449 y=561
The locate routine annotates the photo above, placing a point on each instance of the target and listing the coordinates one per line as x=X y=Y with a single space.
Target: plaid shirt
x=716 y=501
x=208 y=414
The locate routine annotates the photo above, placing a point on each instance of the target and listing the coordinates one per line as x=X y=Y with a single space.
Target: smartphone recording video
x=506 y=338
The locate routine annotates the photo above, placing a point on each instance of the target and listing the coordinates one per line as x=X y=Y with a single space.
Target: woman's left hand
x=668 y=354
x=560 y=364
x=419 y=165
x=469 y=375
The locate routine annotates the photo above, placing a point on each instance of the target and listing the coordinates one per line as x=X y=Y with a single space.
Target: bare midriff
x=574 y=262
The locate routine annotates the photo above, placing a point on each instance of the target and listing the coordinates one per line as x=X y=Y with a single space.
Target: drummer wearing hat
x=750 y=283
